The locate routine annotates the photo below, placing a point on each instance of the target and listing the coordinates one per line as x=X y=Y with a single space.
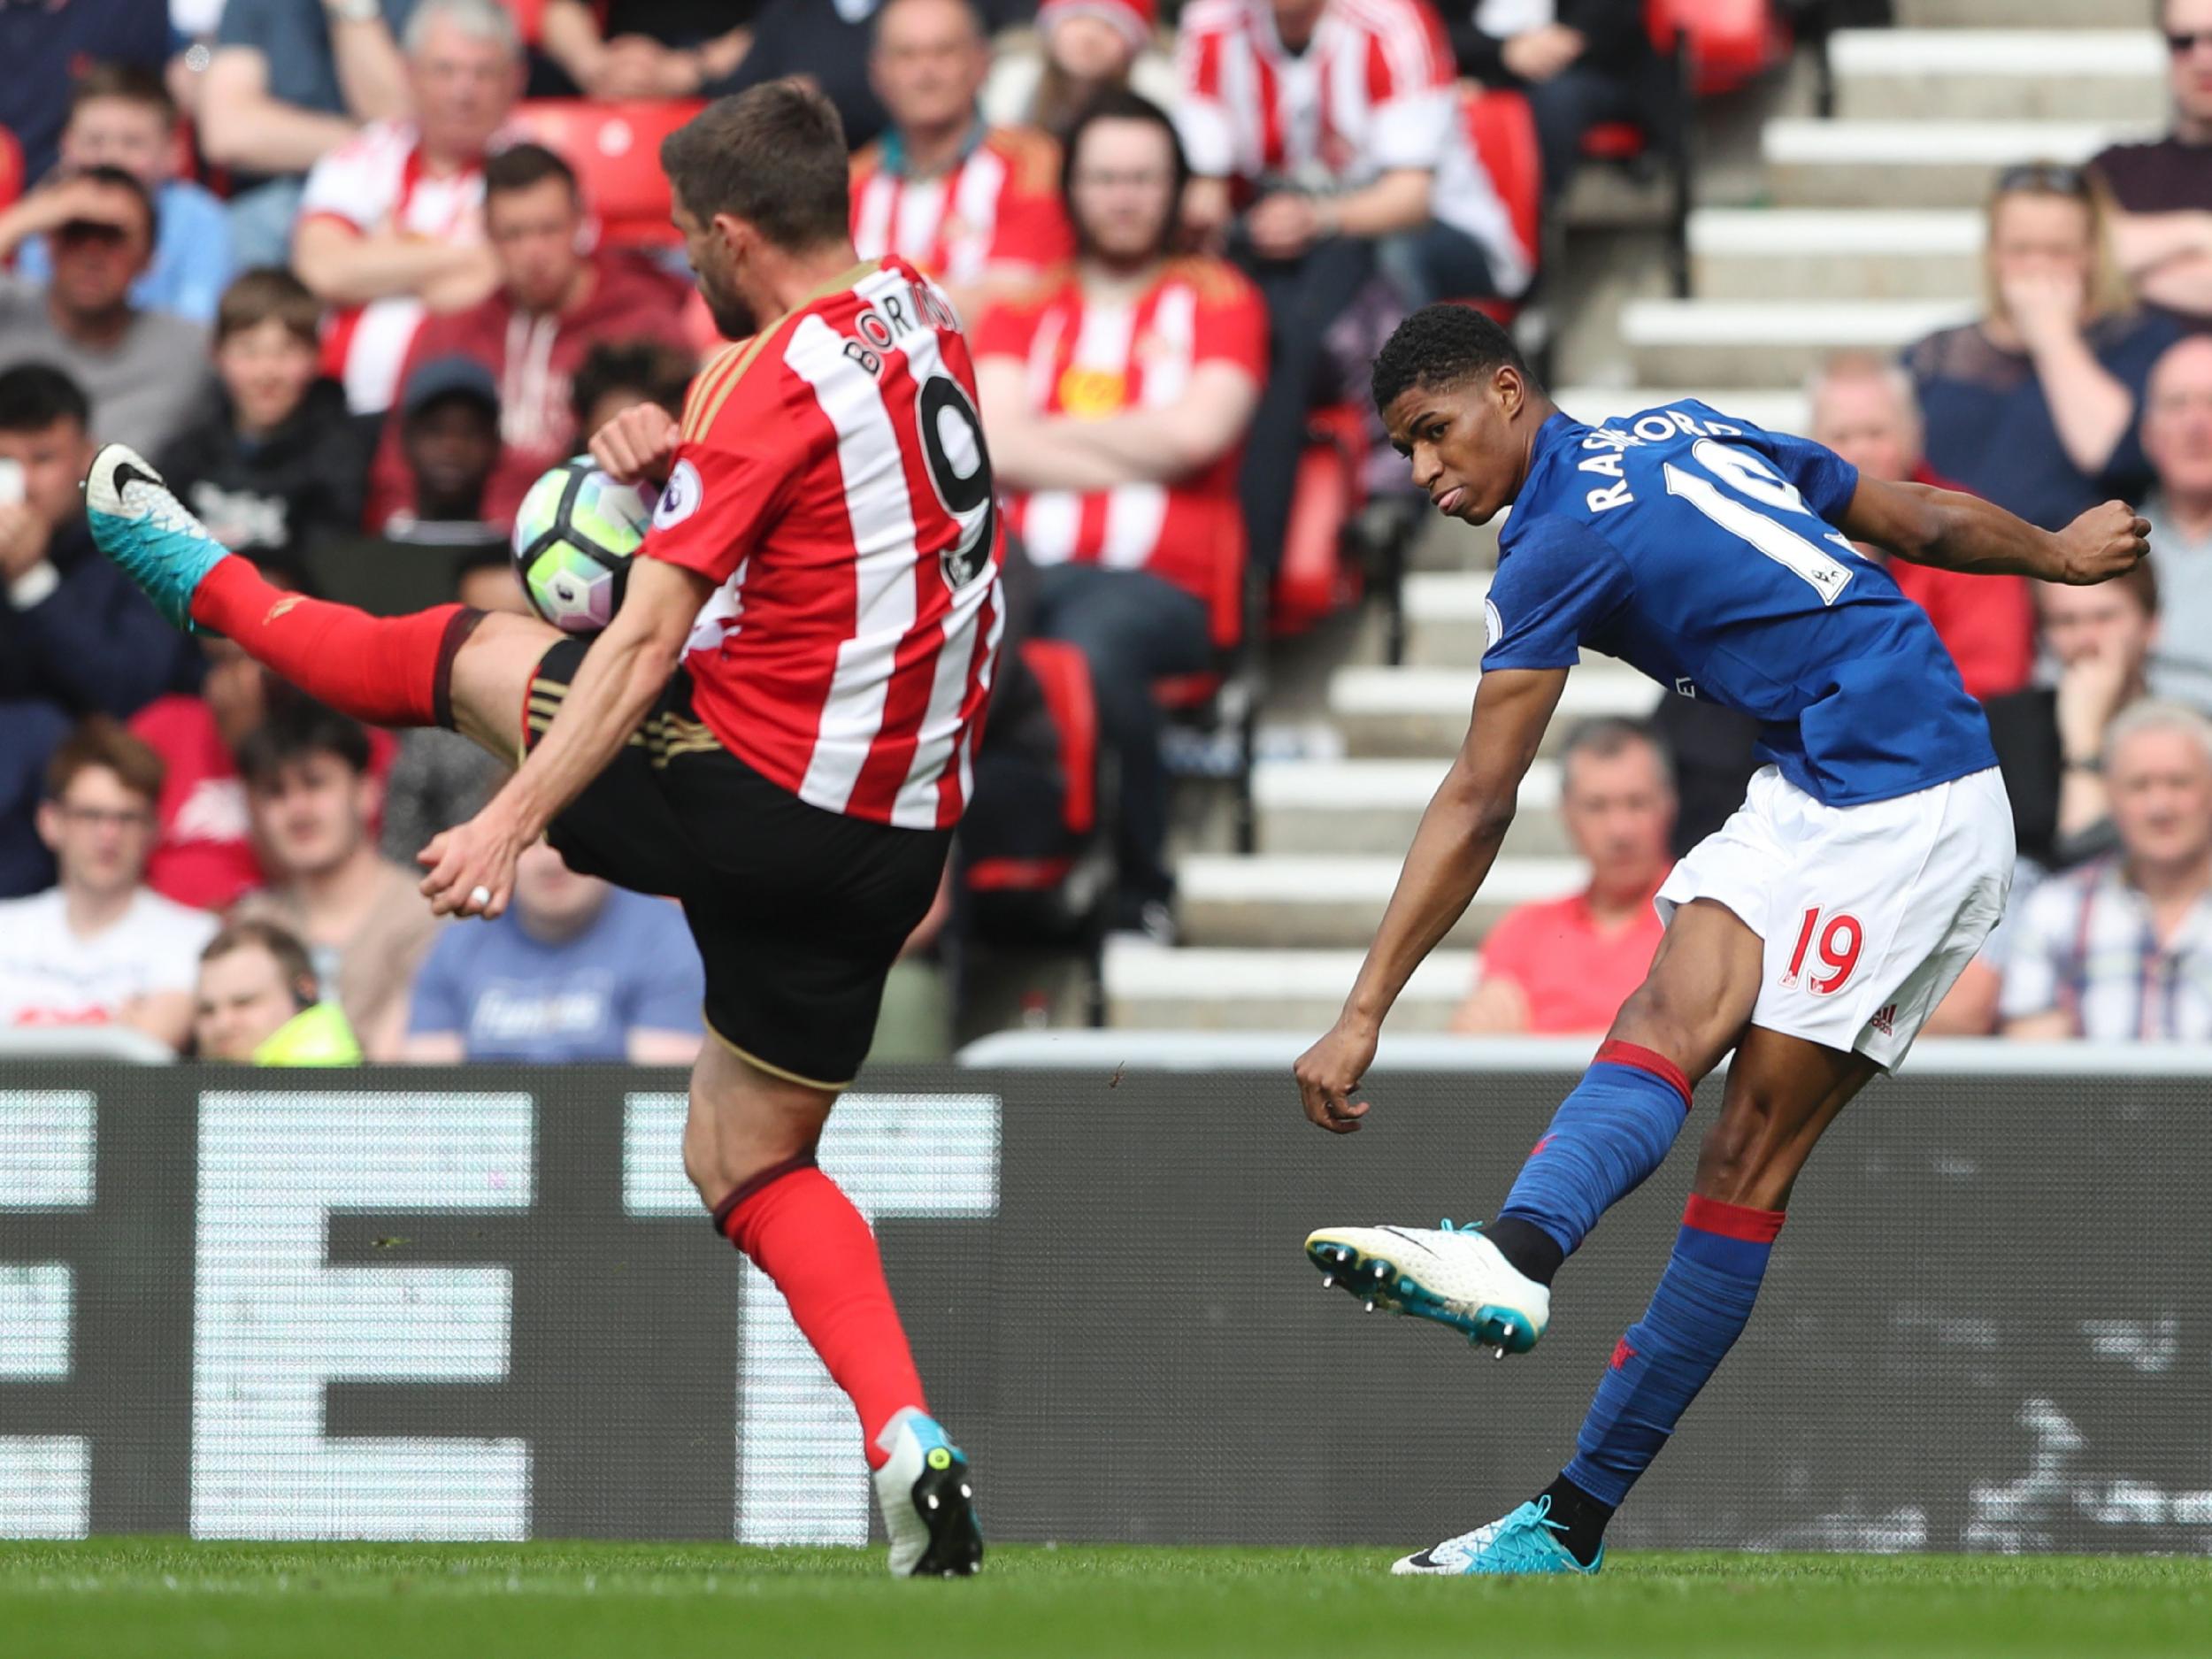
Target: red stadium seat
x=10 y=167
x=1503 y=133
x=1730 y=42
x=615 y=148
x=1331 y=487
x=1063 y=675
x=1225 y=621
x=1614 y=140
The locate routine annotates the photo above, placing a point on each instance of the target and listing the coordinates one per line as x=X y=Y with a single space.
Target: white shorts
x=1869 y=912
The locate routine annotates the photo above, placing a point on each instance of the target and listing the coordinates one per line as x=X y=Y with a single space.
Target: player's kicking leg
x=749 y=1140
x=1782 y=1093
x=447 y=665
x=1865 y=916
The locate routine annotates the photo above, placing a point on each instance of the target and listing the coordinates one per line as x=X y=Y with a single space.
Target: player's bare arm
x=1452 y=852
x=1955 y=530
x=626 y=668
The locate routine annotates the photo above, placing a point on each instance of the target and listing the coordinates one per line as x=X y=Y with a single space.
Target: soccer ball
x=574 y=533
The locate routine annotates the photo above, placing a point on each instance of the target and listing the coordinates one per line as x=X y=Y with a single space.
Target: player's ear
x=1510 y=390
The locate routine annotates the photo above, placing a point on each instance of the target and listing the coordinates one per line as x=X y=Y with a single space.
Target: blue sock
x=1703 y=1301
x=1613 y=1131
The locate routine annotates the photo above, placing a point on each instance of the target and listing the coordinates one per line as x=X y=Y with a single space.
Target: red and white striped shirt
x=999 y=208
x=375 y=183
x=1085 y=360
x=1373 y=92
x=831 y=475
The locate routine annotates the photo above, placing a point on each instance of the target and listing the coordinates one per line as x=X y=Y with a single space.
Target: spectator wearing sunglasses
x=2034 y=405
x=2162 y=190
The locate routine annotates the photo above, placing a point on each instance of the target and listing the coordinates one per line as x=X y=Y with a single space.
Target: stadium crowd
x=344 y=268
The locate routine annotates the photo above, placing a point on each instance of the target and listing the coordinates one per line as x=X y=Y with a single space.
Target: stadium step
x=1372 y=807
x=1277 y=900
x=1835 y=253
x=1151 y=987
x=1770 y=343
x=2000 y=75
x=1445 y=625
x=2038 y=14
x=1921 y=164
x=1446 y=544
x=1409 y=712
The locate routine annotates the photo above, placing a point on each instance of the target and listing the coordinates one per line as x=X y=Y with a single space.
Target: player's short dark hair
x=269 y=293
x=774 y=155
x=1603 y=736
x=292 y=960
x=524 y=166
x=295 y=731
x=101 y=741
x=658 y=370
x=36 y=395
x=1438 y=345
x=127 y=83
x=1119 y=103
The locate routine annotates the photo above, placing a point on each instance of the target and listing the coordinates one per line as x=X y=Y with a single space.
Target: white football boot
x=928 y=1500
x=1451 y=1275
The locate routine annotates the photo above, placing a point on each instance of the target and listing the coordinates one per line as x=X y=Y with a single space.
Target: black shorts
x=798 y=913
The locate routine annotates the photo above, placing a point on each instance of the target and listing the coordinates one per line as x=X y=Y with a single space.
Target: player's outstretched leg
x=445 y=666
x=748 y=1147
x=1495 y=1284
x=1783 y=1092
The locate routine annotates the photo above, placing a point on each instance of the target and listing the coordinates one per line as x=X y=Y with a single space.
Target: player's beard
x=733 y=318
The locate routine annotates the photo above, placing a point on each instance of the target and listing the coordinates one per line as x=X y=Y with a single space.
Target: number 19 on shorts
x=1834 y=944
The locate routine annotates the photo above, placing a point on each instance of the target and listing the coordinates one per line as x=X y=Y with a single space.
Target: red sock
x=804 y=1233
x=384 y=670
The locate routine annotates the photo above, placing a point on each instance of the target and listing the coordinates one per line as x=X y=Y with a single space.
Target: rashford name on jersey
x=1703 y=551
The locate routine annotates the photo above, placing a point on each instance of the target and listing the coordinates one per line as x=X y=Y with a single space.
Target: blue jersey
x=1703 y=551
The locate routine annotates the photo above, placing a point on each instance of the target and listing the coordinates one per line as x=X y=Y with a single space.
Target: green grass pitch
x=169 y=1599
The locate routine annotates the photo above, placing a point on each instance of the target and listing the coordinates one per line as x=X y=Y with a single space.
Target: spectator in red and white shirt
x=1327 y=144
x=100 y=948
x=391 y=224
x=1568 y=966
x=1116 y=397
x=975 y=207
x=555 y=301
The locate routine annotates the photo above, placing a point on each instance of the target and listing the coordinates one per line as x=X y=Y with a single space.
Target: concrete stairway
x=1870 y=236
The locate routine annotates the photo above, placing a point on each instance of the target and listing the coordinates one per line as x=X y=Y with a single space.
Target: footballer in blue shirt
x=1812 y=935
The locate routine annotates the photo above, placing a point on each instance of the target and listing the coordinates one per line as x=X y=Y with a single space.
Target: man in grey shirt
x=2178 y=439
x=145 y=372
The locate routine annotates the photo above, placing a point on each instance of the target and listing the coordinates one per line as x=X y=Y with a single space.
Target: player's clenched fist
x=2104 y=543
x=638 y=444
x=1330 y=1072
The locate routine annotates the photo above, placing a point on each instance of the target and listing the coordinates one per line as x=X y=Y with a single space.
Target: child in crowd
x=278 y=464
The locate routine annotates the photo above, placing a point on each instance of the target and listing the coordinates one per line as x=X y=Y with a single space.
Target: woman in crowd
x=2034 y=406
